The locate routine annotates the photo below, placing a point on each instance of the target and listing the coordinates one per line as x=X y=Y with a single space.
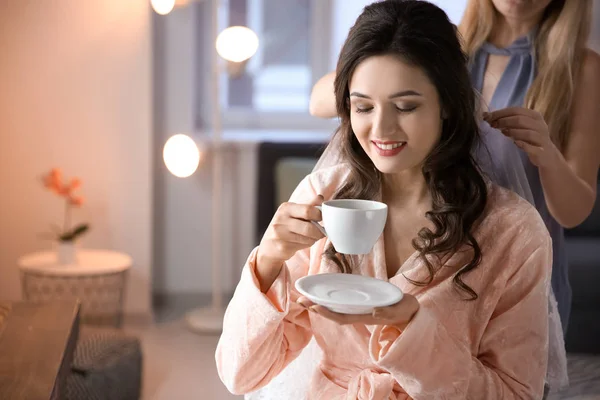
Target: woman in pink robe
x=473 y=259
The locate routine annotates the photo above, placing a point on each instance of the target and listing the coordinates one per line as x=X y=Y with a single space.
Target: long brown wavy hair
x=421 y=34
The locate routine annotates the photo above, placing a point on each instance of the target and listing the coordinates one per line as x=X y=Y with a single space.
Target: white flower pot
x=66 y=253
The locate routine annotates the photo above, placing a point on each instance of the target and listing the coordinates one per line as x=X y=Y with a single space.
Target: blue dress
x=510 y=92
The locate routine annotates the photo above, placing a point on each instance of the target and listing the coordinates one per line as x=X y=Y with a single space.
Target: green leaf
x=77 y=231
x=66 y=237
x=81 y=229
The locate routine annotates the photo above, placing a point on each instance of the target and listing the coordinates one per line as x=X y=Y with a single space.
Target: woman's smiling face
x=395 y=113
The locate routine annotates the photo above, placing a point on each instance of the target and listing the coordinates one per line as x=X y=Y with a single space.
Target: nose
x=385 y=123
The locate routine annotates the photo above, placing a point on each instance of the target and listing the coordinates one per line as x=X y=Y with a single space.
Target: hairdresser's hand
x=290 y=231
x=529 y=131
x=398 y=315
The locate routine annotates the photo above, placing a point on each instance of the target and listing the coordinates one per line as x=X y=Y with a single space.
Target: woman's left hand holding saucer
x=398 y=315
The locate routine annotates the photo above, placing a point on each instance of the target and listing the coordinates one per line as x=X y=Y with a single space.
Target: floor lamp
x=233 y=47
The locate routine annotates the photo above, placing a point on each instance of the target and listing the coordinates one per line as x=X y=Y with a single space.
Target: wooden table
x=37 y=344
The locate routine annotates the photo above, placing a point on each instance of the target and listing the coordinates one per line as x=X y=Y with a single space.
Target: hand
x=528 y=130
x=398 y=315
x=290 y=230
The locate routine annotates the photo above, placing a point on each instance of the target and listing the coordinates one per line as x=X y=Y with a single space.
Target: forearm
x=569 y=198
x=262 y=332
x=322 y=98
x=266 y=271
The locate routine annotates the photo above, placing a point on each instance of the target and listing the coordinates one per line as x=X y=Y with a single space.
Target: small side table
x=97 y=280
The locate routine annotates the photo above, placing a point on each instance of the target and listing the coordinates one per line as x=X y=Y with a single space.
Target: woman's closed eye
x=403 y=108
x=362 y=110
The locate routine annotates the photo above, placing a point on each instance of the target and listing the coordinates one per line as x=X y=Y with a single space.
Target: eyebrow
x=393 y=96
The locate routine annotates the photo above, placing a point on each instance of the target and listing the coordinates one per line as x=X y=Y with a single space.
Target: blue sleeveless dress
x=510 y=92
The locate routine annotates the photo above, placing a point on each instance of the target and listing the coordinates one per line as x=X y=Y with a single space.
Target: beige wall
x=75 y=93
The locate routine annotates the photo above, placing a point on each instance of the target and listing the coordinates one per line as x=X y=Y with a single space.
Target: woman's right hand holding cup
x=290 y=230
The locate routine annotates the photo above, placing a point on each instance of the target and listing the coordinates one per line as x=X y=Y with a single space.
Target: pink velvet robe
x=492 y=348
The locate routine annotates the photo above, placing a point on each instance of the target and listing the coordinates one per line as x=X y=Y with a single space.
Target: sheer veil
x=506 y=169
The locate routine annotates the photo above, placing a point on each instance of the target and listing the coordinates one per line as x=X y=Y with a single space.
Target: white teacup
x=353 y=226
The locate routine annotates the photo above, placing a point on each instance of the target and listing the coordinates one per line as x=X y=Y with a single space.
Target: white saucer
x=347 y=293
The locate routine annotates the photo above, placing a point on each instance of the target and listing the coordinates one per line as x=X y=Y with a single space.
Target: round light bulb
x=162 y=7
x=181 y=155
x=237 y=43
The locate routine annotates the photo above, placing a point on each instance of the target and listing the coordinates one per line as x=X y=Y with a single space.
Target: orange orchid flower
x=56 y=172
x=49 y=184
x=64 y=191
x=53 y=181
x=75 y=183
x=56 y=176
x=76 y=201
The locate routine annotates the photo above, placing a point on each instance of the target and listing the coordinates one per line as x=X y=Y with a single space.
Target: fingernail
x=313 y=308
